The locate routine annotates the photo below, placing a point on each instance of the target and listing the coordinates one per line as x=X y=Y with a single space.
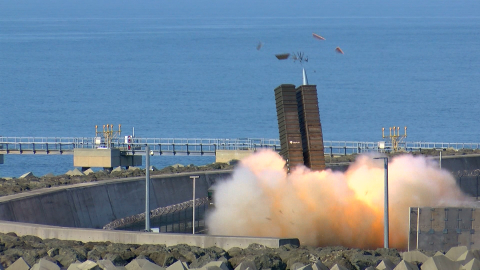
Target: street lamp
x=193 y=204
x=440 y=150
x=385 y=202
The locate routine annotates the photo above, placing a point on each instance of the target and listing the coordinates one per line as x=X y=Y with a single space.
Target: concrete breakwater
x=76 y=212
x=94 y=204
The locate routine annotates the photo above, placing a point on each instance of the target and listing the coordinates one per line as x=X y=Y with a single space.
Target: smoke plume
x=327 y=207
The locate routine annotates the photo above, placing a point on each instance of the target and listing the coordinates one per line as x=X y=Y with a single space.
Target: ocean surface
x=191 y=69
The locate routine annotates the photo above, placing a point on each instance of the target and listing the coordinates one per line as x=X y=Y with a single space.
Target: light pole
x=385 y=203
x=440 y=150
x=193 y=202
x=147 y=188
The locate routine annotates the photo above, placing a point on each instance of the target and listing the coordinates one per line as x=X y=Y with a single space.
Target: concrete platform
x=225 y=156
x=106 y=158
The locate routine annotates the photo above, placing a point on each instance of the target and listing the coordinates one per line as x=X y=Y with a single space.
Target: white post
x=193 y=204
x=147 y=188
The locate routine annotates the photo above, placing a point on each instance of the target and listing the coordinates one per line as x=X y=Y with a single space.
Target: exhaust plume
x=324 y=208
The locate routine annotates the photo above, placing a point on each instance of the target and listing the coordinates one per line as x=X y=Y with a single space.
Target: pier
x=127 y=152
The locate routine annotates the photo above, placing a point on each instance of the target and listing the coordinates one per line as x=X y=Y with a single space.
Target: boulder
x=153 y=168
x=133 y=168
x=48 y=175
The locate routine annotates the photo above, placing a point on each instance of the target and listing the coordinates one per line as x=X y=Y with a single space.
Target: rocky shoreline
x=65 y=253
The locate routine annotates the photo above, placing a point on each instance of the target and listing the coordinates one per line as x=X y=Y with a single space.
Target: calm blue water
x=191 y=69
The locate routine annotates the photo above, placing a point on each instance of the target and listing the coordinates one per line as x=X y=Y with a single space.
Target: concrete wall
x=169 y=239
x=92 y=205
x=460 y=163
x=444 y=228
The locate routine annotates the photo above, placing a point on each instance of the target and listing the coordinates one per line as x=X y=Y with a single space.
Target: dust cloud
x=329 y=208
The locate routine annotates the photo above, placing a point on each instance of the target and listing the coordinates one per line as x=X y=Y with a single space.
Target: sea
x=207 y=69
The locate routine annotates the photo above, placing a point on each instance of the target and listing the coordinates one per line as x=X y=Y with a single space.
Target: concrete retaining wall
x=92 y=205
x=169 y=239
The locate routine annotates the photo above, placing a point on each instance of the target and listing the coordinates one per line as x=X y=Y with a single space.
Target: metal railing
x=199 y=146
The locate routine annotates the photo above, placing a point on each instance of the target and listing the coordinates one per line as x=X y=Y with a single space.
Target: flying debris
x=282 y=56
x=338 y=50
x=318 y=36
x=300 y=57
x=259 y=45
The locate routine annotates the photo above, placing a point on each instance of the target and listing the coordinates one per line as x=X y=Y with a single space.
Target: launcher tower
x=299 y=125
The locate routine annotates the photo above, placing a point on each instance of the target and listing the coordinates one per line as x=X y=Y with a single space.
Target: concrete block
x=318 y=265
x=74 y=266
x=438 y=253
x=455 y=252
x=247 y=264
x=178 y=265
x=386 y=264
x=48 y=175
x=467 y=256
x=338 y=267
x=118 y=169
x=473 y=264
x=133 y=168
x=106 y=265
x=25 y=175
x=404 y=265
x=88 y=171
x=297 y=266
x=370 y=268
x=216 y=265
x=142 y=264
x=176 y=166
x=74 y=172
x=88 y=265
x=440 y=262
x=45 y=265
x=19 y=264
x=306 y=267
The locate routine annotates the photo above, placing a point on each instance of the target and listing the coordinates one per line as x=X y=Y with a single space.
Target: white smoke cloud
x=327 y=207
